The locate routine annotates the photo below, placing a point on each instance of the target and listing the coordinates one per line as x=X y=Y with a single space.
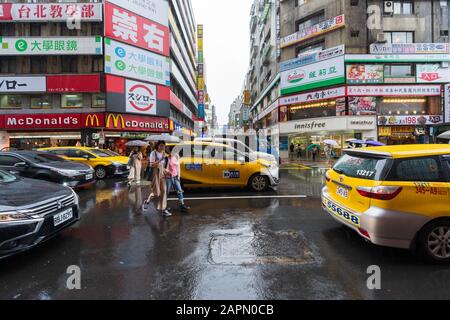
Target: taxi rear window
x=362 y=167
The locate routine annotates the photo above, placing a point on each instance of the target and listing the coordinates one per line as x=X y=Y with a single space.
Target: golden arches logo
x=115 y=121
x=92 y=121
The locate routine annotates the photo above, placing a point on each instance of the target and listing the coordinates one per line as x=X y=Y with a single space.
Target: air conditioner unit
x=381 y=38
x=389 y=7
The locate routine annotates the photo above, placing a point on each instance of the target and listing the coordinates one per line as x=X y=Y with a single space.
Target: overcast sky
x=226 y=48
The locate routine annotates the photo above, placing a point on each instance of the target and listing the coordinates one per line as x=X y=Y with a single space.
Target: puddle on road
x=243 y=247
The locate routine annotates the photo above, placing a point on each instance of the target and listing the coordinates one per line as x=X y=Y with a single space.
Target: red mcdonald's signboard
x=128 y=122
x=93 y=120
x=42 y=121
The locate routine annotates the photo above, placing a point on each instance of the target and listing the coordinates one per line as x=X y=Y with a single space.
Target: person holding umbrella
x=173 y=177
x=135 y=166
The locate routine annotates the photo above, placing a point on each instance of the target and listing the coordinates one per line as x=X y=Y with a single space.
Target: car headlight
x=76 y=199
x=67 y=173
x=9 y=216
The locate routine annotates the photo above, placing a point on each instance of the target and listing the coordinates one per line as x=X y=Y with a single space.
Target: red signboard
x=42 y=121
x=175 y=101
x=125 y=26
x=2 y=121
x=128 y=122
x=73 y=83
x=93 y=120
x=117 y=85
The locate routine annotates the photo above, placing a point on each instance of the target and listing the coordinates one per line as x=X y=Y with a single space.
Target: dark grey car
x=32 y=211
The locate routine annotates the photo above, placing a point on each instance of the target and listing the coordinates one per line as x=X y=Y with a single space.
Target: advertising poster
x=362 y=106
x=365 y=73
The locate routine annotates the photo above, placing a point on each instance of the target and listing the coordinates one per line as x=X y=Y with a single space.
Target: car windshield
x=42 y=157
x=100 y=153
x=6 y=177
x=367 y=168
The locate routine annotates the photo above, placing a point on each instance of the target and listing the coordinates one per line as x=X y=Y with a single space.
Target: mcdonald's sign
x=93 y=120
x=112 y=121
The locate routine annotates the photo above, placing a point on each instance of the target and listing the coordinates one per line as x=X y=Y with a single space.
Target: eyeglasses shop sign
x=329 y=124
x=50 y=46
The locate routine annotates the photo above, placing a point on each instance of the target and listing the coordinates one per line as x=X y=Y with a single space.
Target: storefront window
x=409 y=106
x=400 y=70
x=41 y=102
x=313 y=110
x=12 y=101
x=400 y=37
x=98 y=100
x=72 y=101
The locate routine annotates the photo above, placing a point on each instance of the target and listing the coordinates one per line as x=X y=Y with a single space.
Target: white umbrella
x=136 y=143
x=330 y=142
x=445 y=135
x=163 y=137
x=351 y=140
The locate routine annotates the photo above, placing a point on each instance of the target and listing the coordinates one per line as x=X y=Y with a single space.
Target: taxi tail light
x=364 y=232
x=380 y=192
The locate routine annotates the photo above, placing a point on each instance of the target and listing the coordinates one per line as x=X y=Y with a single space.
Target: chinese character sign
x=54 y=12
x=50 y=46
x=131 y=62
x=125 y=26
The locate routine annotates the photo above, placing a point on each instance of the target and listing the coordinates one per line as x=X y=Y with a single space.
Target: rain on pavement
x=237 y=245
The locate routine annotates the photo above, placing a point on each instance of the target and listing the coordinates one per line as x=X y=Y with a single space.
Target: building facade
x=360 y=69
x=99 y=73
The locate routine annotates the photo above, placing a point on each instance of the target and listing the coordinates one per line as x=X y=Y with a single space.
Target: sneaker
x=185 y=208
x=166 y=213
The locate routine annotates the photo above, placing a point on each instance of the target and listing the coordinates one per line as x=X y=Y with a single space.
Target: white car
x=239 y=145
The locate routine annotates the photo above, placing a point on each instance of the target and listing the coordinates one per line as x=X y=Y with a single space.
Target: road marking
x=243 y=197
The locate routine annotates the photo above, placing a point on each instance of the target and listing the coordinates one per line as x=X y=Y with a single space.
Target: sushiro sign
x=320 y=74
x=140 y=97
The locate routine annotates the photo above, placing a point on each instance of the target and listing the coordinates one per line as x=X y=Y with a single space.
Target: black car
x=45 y=166
x=32 y=211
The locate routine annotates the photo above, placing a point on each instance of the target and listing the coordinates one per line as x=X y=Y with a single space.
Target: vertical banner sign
x=200 y=71
x=447 y=103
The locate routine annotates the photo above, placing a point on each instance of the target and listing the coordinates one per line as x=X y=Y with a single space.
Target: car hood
x=22 y=192
x=119 y=159
x=264 y=156
x=66 y=165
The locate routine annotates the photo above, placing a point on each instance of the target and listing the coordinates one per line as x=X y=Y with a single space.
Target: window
x=299 y=3
x=425 y=169
x=38 y=65
x=9 y=161
x=398 y=71
x=60 y=152
x=403 y=7
x=41 y=102
x=8 y=65
x=7 y=29
x=12 y=101
x=361 y=167
x=447 y=163
x=98 y=100
x=311 y=20
x=35 y=29
x=399 y=37
x=77 y=154
x=72 y=101
x=97 y=64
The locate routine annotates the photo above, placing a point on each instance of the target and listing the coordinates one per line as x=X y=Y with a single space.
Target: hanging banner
x=131 y=62
x=123 y=25
x=414 y=120
x=394 y=90
x=22 y=84
x=313 y=31
x=50 y=12
x=25 y=46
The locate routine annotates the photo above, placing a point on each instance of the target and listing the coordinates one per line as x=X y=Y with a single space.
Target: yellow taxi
x=395 y=196
x=104 y=162
x=209 y=164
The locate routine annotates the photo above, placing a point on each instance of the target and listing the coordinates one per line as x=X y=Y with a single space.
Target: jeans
x=175 y=182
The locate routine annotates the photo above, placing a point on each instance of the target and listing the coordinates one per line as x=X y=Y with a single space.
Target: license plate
x=341 y=213
x=89 y=176
x=343 y=192
x=62 y=217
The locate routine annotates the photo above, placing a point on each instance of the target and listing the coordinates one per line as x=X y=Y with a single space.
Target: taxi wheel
x=100 y=172
x=259 y=183
x=434 y=242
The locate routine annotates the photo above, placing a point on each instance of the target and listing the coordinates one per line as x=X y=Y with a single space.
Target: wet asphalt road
x=250 y=248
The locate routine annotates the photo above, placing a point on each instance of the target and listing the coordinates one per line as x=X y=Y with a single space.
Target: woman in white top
x=136 y=166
